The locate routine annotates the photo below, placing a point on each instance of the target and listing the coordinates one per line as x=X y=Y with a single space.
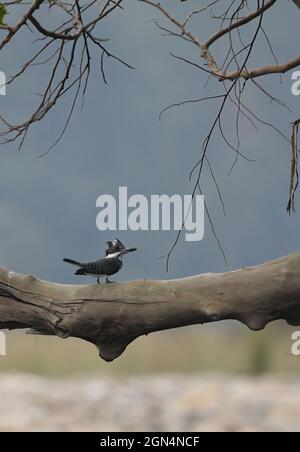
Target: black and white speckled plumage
x=107 y=266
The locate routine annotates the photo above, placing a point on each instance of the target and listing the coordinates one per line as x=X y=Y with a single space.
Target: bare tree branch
x=14 y=29
x=73 y=38
x=294 y=178
x=297 y=2
x=208 y=56
x=233 y=73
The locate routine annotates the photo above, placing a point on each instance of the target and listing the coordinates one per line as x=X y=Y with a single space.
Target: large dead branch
x=112 y=316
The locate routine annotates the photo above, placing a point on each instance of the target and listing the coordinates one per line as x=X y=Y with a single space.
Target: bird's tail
x=72 y=262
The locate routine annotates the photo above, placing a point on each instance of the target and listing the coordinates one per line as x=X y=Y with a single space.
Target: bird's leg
x=108 y=281
x=98 y=280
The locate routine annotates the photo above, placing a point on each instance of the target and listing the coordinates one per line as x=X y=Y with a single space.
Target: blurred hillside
x=227 y=347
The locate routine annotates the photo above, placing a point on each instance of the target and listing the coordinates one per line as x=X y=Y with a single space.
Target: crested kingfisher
x=105 y=267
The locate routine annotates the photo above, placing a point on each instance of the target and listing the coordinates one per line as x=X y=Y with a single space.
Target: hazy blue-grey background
x=47 y=205
x=48 y=211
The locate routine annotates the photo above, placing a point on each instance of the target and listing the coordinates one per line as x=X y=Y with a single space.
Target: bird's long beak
x=128 y=250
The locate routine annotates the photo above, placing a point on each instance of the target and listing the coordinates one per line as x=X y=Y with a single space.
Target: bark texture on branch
x=111 y=316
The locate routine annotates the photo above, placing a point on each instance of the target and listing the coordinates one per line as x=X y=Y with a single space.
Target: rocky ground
x=160 y=403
